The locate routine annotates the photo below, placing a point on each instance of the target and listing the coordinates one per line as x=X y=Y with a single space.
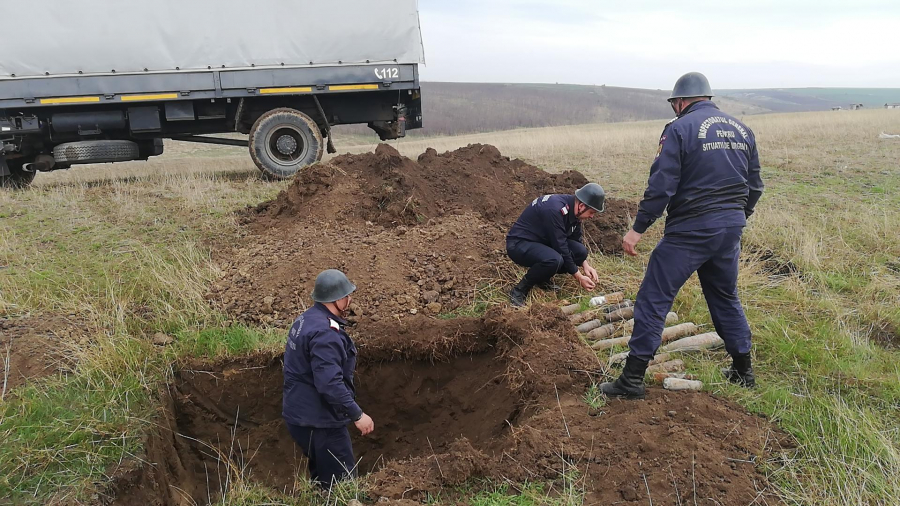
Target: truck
x=106 y=81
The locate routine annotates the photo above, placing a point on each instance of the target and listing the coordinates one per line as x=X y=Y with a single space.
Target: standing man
x=706 y=174
x=319 y=396
x=547 y=238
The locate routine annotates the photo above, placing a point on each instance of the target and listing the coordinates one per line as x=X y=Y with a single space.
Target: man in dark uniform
x=319 y=396
x=706 y=174
x=547 y=238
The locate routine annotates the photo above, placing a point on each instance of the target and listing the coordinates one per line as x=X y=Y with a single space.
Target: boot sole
x=737 y=382
x=627 y=397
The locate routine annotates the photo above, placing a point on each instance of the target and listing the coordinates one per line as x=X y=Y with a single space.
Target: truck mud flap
x=4 y=168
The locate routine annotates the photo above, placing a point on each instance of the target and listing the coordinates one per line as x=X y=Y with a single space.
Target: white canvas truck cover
x=98 y=36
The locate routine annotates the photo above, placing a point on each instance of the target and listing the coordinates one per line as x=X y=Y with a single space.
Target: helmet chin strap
x=346 y=310
x=584 y=209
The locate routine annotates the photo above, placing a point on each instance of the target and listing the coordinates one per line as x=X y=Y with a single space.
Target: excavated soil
x=453 y=401
x=416 y=236
x=496 y=397
x=38 y=346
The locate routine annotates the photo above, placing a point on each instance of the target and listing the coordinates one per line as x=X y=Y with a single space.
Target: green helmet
x=593 y=196
x=332 y=285
x=690 y=85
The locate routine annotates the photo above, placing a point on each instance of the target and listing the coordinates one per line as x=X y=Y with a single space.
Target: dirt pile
x=417 y=236
x=38 y=346
x=497 y=397
x=456 y=400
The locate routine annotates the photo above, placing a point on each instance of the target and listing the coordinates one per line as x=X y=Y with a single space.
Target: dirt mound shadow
x=885 y=334
x=415 y=235
x=456 y=400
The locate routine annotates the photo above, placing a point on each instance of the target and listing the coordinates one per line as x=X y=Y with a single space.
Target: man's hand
x=365 y=424
x=630 y=241
x=591 y=272
x=585 y=281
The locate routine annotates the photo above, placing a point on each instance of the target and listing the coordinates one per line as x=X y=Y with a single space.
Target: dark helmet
x=593 y=196
x=692 y=84
x=332 y=285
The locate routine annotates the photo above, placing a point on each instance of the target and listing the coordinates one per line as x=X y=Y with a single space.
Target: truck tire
x=19 y=178
x=283 y=141
x=71 y=153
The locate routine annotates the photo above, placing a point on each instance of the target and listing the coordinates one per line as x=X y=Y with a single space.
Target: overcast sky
x=648 y=44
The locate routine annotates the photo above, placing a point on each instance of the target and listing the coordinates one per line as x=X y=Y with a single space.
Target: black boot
x=741 y=371
x=630 y=384
x=519 y=293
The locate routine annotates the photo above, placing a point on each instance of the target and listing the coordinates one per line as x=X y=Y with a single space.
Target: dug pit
x=421 y=408
x=454 y=401
x=231 y=412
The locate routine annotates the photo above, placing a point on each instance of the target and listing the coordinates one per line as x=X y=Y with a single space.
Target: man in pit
x=319 y=395
x=547 y=238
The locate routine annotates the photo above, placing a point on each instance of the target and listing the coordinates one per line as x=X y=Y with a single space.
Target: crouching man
x=547 y=238
x=319 y=396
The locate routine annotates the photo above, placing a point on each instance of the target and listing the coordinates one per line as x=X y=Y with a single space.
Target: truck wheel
x=71 y=153
x=19 y=178
x=283 y=141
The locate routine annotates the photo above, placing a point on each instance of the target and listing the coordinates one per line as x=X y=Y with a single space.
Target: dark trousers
x=713 y=254
x=543 y=262
x=329 y=451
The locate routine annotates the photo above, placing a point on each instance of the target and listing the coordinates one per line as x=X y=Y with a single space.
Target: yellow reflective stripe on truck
x=348 y=87
x=69 y=100
x=266 y=91
x=154 y=96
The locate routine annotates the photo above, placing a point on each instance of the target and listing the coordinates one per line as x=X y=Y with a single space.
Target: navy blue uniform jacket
x=706 y=173
x=550 y=220
x=319 y=360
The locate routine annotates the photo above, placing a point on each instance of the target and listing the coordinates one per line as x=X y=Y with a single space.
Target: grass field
x=128 y=248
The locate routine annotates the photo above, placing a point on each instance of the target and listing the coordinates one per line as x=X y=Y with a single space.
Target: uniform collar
x=330 y=315
x=703 y=104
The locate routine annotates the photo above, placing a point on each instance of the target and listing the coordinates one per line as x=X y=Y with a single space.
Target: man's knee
x=579 y=252
x=552 y=261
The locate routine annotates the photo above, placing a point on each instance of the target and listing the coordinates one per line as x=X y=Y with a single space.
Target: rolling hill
x=458 y=108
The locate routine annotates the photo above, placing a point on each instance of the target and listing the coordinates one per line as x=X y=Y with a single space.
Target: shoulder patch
x=333 y=324
x=564 y=210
